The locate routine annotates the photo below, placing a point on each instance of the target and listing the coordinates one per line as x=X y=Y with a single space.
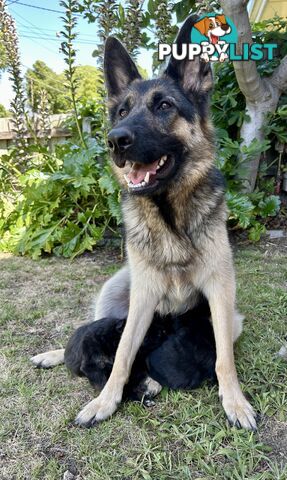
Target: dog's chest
x=180 y=292
x=172 y=254
x=155 y=239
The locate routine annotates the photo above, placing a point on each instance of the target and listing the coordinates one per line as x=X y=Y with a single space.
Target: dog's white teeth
x=127 y=179
x=162 y=160
x=146 y=178
x=138 y=185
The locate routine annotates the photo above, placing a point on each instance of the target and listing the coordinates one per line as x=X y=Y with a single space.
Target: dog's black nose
x=120 y=139
x=225 y=27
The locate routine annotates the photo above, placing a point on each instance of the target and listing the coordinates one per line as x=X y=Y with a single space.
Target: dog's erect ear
x=119 y=68
x=193 y=75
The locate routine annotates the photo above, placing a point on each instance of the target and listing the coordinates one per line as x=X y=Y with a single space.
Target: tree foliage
x=90 y=83
x=41 y=77
x=3 y=111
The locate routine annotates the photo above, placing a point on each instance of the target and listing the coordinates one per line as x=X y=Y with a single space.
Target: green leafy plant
x=67 y=47
x=62 y=208
x=10 y=40
x=246 y=210
x=61 y=201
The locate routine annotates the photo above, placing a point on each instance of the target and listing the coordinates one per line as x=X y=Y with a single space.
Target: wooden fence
x=57 y=132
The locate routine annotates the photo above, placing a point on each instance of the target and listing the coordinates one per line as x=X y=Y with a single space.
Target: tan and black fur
x=176 y=239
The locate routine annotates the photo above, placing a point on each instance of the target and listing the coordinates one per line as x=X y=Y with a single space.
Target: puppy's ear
x=221 y=18
x=201 y=26
x=119 y=68
x=193 y=75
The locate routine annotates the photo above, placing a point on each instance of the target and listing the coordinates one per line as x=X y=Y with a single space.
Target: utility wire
x=46 y=37
x=42 y=8
x=50 y=39
x=11 y=3
x=55 y=31
x=35 y=27
x=44 y=46
x=37 y=6
x=39 y=43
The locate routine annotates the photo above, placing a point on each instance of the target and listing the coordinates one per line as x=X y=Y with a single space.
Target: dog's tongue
x=138 y=171
x=214 y=38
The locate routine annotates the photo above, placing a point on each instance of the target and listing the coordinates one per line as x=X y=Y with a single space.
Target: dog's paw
x=152 y=387
x=97 y=410
x=48 y=359
x=239 y=412
x=148 y=402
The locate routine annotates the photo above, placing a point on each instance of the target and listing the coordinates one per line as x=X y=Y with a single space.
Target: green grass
x=185 y=436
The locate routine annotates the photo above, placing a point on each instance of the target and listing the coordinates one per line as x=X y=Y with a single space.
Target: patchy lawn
x=185 y=436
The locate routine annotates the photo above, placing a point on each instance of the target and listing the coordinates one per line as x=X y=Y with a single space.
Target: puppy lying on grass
x=177 y=352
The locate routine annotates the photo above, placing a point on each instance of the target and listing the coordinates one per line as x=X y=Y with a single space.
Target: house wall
x=265 y=9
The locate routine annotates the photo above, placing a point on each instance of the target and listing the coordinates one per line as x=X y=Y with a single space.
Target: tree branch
x=249 y=81
x=279 y=76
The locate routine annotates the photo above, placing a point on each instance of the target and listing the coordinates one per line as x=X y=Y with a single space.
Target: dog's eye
x=123 y=112
x=211 y=25
x=164 y=105
x=217 y=23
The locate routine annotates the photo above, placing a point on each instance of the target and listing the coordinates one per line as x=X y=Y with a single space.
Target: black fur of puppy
x=177 y=352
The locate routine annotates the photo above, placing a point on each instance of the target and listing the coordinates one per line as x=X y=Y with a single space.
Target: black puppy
x=177 y=352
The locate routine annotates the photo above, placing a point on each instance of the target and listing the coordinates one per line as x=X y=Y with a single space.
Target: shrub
x=62 y=204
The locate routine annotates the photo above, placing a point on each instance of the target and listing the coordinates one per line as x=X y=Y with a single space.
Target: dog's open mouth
x=213 y=38
x=142 y=177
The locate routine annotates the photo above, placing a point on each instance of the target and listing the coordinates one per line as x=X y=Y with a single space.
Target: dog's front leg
x=143 y=301
x=220 y=291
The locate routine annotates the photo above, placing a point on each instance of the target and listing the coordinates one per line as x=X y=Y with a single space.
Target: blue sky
x=37 y=30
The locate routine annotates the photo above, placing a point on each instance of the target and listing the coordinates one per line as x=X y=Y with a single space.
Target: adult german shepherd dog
x=174 y=213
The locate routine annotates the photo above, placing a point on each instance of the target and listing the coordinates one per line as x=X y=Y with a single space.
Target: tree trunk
x=253 y=129
x=261 y=94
